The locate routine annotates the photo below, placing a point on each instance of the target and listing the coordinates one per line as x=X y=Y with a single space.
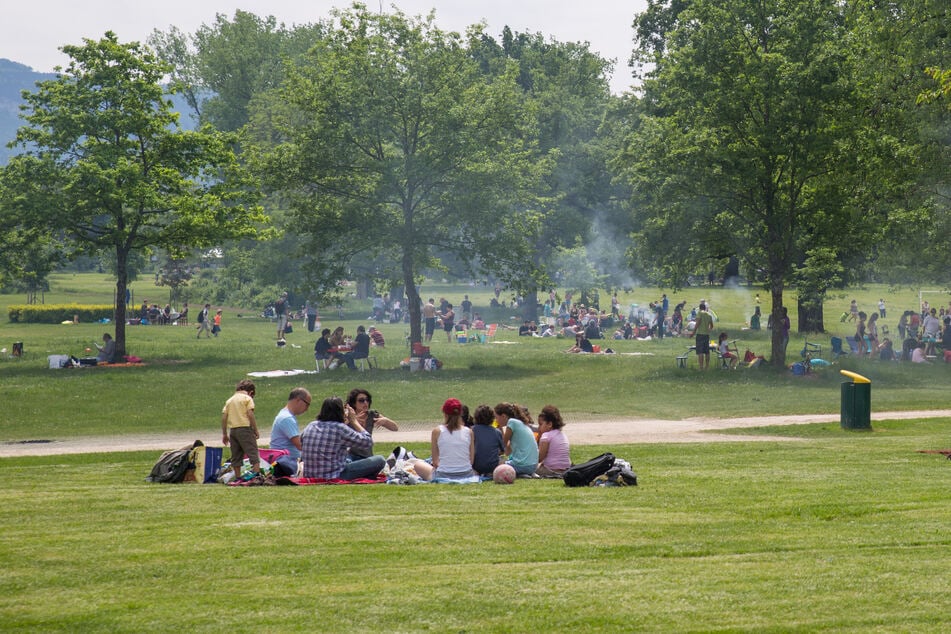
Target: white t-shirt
x=454 y=452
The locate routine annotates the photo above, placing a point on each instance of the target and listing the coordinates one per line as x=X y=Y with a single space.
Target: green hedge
x=58 y=313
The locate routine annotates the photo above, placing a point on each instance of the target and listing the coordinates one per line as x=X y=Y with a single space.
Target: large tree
x=386 y=139
x=754 y=143
x=224 y=65
x=568 y=83
x=104 y=162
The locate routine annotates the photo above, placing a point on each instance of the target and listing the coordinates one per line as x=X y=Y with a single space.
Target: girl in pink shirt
x=553 y=449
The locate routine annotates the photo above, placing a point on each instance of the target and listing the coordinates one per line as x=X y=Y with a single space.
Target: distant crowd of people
x=920 y=333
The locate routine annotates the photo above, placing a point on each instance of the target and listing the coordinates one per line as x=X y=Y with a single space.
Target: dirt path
x=604 y=431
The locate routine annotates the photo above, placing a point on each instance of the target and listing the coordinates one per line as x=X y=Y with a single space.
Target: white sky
x=31 y=31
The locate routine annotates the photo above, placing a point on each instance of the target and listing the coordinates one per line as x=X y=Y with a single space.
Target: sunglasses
x=363 y=399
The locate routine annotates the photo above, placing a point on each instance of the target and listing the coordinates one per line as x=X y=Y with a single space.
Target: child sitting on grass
x=489 y=445
x=239 y=429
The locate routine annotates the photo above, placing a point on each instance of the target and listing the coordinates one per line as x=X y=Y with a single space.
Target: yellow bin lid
x=857 y=378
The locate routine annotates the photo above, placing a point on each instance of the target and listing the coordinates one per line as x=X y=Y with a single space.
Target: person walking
x=204 y=322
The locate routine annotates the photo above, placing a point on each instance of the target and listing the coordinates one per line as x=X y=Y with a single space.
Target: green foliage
x=390 y=146
x=757 y=141
x=58 y=313
x=224 y=65
x=105 y=165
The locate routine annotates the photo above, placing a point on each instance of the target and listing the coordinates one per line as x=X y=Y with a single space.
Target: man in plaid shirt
x=326 y=443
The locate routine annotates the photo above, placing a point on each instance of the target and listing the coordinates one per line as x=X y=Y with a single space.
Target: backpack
x=201 y=316
x=172 y=465
x=583 y=474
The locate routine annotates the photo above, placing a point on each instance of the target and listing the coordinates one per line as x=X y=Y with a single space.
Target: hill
x=15 y=78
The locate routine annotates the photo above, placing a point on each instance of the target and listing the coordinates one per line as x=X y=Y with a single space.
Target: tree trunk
x=530 y=309
x=810 y=312
x=122 y=283
x=412 y=299
x=778 y=357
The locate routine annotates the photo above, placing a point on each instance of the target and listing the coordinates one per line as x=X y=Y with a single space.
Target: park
x=809 y=527
x=785 y=167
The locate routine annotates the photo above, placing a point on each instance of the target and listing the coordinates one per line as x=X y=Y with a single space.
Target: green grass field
x=821 y=529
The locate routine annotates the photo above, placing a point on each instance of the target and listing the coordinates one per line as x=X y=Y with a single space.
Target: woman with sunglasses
x=360 y=400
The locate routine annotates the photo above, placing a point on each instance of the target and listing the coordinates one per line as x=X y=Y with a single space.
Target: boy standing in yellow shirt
x=239 y=429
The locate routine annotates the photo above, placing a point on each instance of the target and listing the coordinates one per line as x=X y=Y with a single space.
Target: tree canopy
x=756 y=141
x=386 y=139
x=105 y=165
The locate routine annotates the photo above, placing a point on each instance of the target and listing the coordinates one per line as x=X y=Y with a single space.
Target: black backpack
x=583 y=474
x=172 y=465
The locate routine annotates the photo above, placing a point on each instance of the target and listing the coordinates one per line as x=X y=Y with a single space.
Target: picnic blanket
x=311 y=481
x=944 y=452
x=270 y=480
x=276 y=373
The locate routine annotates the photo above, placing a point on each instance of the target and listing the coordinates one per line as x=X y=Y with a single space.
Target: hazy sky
x=32 y=31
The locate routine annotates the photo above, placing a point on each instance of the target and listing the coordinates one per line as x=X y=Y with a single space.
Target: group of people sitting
x=336 y=348
x=339 y=445
x=155 y=316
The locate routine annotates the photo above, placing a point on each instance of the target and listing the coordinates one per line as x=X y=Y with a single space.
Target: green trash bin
x=856 y=405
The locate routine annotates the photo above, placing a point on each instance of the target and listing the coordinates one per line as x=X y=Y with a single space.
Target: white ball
x=504 y=474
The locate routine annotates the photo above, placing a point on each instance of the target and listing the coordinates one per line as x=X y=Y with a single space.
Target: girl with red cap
x=452 y=447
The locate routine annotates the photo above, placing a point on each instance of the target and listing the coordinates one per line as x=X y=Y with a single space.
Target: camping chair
x=810 y=349
x=853 y=345
x=490 y=331
x=837 y=350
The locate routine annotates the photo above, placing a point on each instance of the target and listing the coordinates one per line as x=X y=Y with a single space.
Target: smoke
x=607 y=249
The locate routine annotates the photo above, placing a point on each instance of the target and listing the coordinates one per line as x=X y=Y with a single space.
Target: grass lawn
x=840 y=531
x=833 y=530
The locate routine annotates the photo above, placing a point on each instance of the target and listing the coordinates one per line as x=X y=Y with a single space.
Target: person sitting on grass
x=489 y=446
x=582 y=344
x=326 y=444
x=376 y=337
x=519 y=439
x=553 y=449
x=360 y=400
x=285 y=434
x=453 y=450
x=107 y=351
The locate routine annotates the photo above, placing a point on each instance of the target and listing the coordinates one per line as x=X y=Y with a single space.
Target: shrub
x=58 y=313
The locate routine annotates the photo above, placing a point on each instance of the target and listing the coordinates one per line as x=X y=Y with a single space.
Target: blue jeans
x=365 y=468
x=349 y=359
x=523 y=469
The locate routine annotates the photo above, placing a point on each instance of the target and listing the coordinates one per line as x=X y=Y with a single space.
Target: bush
x=58 y=313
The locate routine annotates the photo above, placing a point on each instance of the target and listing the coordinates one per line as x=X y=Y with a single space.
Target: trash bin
x=856 y=402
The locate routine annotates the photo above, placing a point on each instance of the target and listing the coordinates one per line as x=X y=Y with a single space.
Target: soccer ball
x=504 y=474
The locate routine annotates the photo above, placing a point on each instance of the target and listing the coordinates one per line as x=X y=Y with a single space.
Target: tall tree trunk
x=778 y=357
x=810 y=311
x=530 y=309
x=412 y=299
x=122 y=283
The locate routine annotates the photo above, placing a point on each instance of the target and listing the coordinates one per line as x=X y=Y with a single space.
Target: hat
x=452 y=407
